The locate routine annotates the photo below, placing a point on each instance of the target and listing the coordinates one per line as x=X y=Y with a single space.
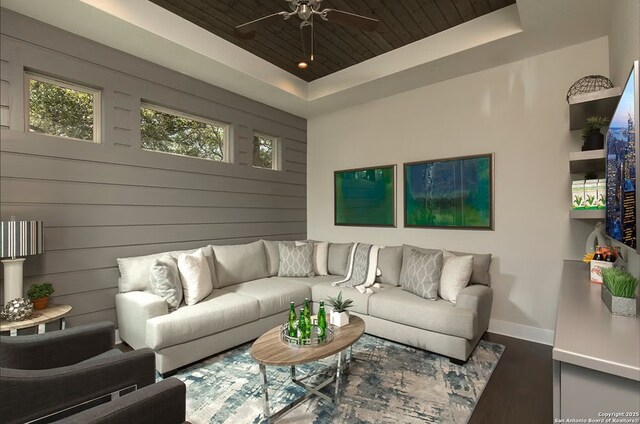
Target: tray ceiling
x=401 y=22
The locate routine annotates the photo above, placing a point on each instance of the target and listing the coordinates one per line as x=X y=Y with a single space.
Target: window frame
x=225 y=139
x=97 y=104
x=275 y=152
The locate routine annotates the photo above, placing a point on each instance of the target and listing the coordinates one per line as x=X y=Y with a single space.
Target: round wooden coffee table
x=269 y=349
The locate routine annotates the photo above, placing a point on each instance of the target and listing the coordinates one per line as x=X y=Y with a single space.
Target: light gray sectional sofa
x=249 y=298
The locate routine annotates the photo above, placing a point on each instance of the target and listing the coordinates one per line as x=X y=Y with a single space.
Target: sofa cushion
x=312 y=281
x=481 y=263
x=390 y=264
x=421 y=272
x=272 y=294
x=195 y=276
x=324 y=290
x=439 y=316
x=456 y=272
x=165 y=281
x=218 y=312
x=338 y=259
x=296 y=261
x=239 y=263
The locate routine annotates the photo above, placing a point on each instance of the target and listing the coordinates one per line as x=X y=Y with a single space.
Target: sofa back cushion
x=135 y=271
x=239 y=263
x=481 y=263
x=338 y=258
x=389 y=264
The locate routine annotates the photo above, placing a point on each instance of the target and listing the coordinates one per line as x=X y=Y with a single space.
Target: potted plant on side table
x=339 y=313
x=619 y=292
x=39 y=294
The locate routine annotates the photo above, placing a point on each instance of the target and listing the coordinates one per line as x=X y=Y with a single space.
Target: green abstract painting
x=453 y=193
x=365 y=196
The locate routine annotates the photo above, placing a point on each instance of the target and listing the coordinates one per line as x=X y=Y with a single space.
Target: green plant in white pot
x=339 y=313
x=619 y=291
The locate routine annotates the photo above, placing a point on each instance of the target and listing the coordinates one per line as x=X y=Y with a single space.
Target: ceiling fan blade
x=350 y=19
x=247 y=31
x=306 y=33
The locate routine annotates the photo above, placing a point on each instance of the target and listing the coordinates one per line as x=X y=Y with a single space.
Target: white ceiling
x=146 y=30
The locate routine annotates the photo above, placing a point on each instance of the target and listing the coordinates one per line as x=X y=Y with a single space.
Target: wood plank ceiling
x=336 y=47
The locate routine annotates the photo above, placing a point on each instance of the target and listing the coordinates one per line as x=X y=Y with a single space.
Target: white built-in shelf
x=597 y=103
x=587 y=214
x=587 y=161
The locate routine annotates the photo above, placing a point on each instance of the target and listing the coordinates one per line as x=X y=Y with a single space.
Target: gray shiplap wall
x=109 y=200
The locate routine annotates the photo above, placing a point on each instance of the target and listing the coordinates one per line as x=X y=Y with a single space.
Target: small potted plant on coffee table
x=39 y=294
x=619 y=291
x=339 y=313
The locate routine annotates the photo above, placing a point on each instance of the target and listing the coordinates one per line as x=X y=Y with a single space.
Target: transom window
x=62 y=109
x=265 y=151
x=165 y=130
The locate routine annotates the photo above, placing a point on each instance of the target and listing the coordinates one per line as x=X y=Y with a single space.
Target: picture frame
x=450 y=193
x=365 y=197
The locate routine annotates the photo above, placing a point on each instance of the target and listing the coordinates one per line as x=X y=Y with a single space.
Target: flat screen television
x=623 y=156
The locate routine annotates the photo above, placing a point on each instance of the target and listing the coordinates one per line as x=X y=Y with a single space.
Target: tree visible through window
x=264 y=148
x=172 y=132
x=62 y=109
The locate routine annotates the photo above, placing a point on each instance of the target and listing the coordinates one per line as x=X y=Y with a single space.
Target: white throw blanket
x=362 y=268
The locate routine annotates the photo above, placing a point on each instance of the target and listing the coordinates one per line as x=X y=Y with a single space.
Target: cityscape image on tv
x=621 y=170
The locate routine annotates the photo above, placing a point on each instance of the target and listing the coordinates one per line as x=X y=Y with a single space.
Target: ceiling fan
x=306 y=10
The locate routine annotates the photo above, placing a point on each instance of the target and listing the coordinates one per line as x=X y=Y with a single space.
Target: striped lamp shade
x=21 y=238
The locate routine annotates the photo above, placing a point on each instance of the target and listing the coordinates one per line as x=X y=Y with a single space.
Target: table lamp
x=18 y=239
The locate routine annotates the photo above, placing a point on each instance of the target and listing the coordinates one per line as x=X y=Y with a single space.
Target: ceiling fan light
x=302 y=64
x=304 y=12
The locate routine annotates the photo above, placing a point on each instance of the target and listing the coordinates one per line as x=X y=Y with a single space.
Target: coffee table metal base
x=310 y=390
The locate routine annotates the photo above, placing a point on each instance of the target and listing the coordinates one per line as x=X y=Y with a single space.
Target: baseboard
x=519 y=331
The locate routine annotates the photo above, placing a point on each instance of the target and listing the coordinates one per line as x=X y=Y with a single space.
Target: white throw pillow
x=320 y=256
x=456 y=273
x=196 y=277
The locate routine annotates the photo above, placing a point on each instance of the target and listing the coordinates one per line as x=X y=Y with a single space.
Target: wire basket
x=312 y=341
x=589 y=84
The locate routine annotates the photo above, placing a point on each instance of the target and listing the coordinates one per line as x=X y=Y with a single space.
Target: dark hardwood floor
x=521 y=387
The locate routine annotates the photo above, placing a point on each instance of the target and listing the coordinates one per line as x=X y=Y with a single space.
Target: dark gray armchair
x=163 y=402
x=53 y=375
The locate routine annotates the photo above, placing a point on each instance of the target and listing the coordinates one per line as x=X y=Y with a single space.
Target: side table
x=39 y=318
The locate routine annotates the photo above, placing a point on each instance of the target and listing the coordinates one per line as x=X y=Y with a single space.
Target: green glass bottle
x=293 y=332
x=322 y=322
x=307 y=318
x=302 y=331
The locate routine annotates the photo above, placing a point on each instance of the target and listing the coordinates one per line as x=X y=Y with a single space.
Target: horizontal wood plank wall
x=103 y=201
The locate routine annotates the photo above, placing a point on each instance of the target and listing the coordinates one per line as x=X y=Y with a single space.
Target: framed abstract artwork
x=449 y=193
x=365 y=196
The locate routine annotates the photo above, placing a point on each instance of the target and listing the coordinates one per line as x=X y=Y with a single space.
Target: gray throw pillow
x=296 y=261
x=421 y=272
x=165 y=281
x=338 y=259
x=272 y=249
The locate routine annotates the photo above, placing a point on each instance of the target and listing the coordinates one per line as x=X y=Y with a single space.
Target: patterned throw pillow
x=420 y=274
x=296 y=261
x=165 y=281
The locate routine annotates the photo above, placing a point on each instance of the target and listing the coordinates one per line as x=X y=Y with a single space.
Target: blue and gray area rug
x=387 y=383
